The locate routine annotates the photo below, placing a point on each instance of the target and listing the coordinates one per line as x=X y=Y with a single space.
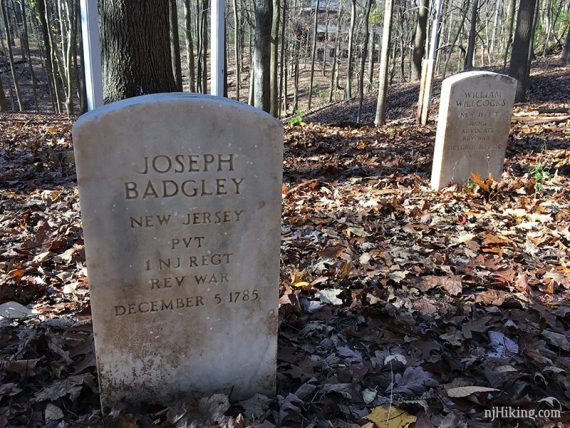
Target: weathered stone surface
x=473 y=127
x=181 y=202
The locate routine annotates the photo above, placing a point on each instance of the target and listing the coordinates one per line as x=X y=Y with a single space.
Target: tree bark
x=566 y=51
x=9 y=42
x=136 y=48
x=420 y=39
x=380 y=118
x=262 y=55
x=371 y=61
x=326 y=37
x=237 y=49
x=282 y=66
x=175 y=45
x=334 y=71
x=511 y=19
x=472 y=35
x=548 y=19
x=26 y=44
x=363 y=59
x=205 y=44
x=520 y=56
x=67 y=30
x=348 y=89
x=495 y=25
x=189 y=46
x=427 y=75
x=313 y=54
x=274 y=62
x=3 y=100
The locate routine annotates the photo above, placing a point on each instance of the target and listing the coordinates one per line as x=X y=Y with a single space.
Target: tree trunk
x=472 y=35
x=495 y=25
x=566 y=51
x=136 y=48
x=363 y=59
x=205 y=44
x=282 y=66
x=326 y=38
x=57 y=57
x=313 y=54
x=420 y=39
x=334 y=71
x=402 y=40
x=81 y=74
x=380 y=118
x=198 y=26
x=237 y=49
x=262 y=55
x=348 y=89
x=460 y=29
x=371 y=61
x=25 y=36
x=274 y=62
x=297 y=45
x=427 y=75
x=520 y=57
x=189 y=46
x=3 y=100
x=512 y=6
x=67 y=30
x=175 y=45
x=548 y=19
x=43 y=47
x=51 y=68
x=9 y=42
x=532 y=56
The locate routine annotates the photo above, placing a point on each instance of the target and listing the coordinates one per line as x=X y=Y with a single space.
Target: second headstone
x=473 y=127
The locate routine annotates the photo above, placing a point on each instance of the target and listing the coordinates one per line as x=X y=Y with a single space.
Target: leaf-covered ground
x=398 y=305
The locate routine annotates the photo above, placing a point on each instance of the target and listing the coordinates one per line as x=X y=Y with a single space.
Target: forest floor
x=398 y=305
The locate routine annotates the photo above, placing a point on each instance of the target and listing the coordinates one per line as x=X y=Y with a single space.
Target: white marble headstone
x=473 y=127
x=181 y=201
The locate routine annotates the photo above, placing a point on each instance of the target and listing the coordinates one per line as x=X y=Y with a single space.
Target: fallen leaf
x=465 y=391
x=390 y=417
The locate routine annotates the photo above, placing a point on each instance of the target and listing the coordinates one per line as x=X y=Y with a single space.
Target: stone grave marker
x=473 y=127
x=181 y=204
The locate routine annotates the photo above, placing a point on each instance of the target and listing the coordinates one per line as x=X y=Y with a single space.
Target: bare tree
x=334 y=71
x=566 y=51
x=237 y=56
x=313 y=53
x=380 y=118
x=511 y=19
x=420 y=39
x=282 y=66
x=465 y=9
x=367 y=8
x=274 y=62
x=189 y=45
x=472 y=35
x=136 y=48
x=175 y=44
x=26 y=46
x=349 y=67
x=520 y=57
x=9 y=42
x=262 y=55
x=3 y=100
